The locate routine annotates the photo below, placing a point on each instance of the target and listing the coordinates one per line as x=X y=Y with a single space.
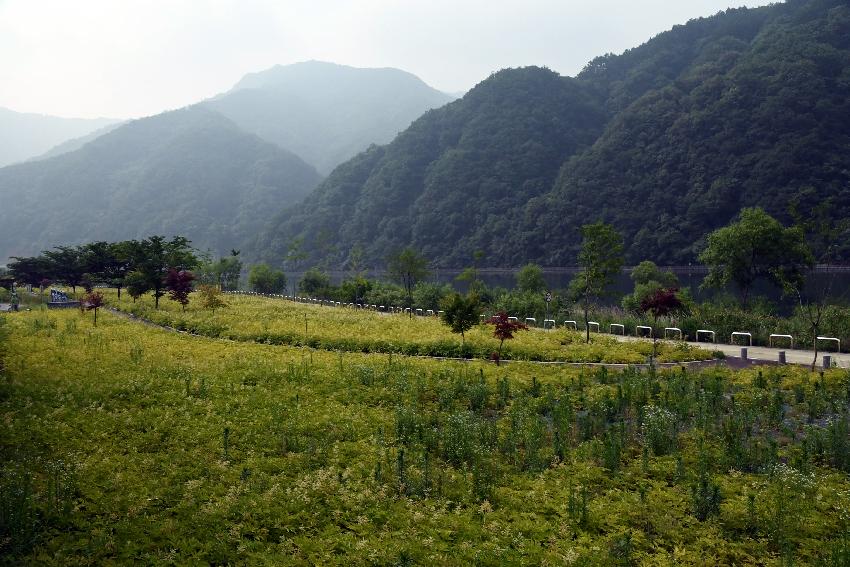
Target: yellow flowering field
x=278 y=321
x=124 y=443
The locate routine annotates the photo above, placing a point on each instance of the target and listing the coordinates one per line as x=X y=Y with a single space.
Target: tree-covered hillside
x=190 y=172
x=753 y=120
x=667 y=141
x=327 y=113
x=458 y=176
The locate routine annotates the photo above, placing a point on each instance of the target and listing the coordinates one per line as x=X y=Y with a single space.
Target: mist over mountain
x=667 y=142
x=190 y=172
x=326 y=113
x=77 y=143
x=216 y=171
x=26 y=135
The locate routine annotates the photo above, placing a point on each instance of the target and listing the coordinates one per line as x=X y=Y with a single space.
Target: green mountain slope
x=458 y=175
x=666 y=141
x=77 y=143
x=190 y=172
x=327 y=113
x=762 y=121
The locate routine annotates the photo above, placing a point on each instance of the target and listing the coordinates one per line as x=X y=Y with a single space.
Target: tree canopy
x=264 y=279
x=601 y=259
x=407 y=267
x=756 y=246
x=461 y=313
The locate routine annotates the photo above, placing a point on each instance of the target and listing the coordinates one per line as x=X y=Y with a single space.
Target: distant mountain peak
x=294 y=75
x=26 y=135
x=326 y=112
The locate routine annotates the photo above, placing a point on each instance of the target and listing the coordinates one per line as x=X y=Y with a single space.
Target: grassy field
x=280 y=322
x=130 y=444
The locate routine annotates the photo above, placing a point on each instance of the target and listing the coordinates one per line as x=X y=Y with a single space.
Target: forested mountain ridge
x=327 y=113
x=764 y=122
x=458 y=173
x=77 y=143
x=190 y=172
x=666 y=141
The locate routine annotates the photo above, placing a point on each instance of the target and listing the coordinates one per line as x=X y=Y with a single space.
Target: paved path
x=794 y=356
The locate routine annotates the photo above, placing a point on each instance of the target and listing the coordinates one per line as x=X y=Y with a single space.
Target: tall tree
x=461 y=313
x=530 y=278
x=264 y=279
x=121 y=265
x=137 y=285
x=155 y=256
x=314 y=282
x=407 y=268
x=227 y=271
x=647 y=278
x=107 y=262
x=823 y=235
x=67 y=264
x=755 y=247
x=601 y=259
x=30 y=270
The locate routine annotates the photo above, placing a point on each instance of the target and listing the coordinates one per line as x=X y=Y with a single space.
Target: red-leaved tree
x=505 y=329
x=661 y=303
x=179 y=285
x=92 y=302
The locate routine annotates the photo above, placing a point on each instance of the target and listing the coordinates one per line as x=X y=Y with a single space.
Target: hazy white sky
x=130 y=58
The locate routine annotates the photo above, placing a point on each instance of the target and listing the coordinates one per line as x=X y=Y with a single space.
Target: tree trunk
x=586 y=326
x=654 y=338
x=815 y=348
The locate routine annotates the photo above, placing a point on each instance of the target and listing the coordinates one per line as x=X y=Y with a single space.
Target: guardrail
x=706 y=332
x=740 y=334
x=639 y=328
x=675 y=329
x=778 y=336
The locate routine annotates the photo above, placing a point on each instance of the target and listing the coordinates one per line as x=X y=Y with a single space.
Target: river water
x=836 y=279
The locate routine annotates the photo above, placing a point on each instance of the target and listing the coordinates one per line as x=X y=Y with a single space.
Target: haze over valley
x=666 y=141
